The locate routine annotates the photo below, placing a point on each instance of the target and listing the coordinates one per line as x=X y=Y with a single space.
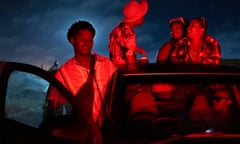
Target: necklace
x=195 y=55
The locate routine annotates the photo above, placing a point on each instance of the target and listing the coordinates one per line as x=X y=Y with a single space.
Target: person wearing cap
x=122 y=41
x=123 y=48
x=177 y=30
x=197 y=47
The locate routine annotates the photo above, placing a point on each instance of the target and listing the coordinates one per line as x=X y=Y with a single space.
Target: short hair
x=80 y=25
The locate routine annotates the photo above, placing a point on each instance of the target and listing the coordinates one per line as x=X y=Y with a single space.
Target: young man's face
x=83 y=42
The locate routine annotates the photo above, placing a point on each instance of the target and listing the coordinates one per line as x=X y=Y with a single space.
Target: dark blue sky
x=34 y=31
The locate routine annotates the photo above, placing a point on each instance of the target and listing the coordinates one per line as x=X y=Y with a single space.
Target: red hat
x=134 y=10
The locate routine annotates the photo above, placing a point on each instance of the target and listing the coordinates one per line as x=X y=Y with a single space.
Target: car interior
x=161 y=109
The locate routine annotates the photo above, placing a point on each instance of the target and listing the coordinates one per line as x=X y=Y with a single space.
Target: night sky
x=34 y=31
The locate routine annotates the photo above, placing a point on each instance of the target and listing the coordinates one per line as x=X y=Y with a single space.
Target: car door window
x=25 y=98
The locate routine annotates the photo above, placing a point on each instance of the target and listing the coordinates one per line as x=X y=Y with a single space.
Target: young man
x=75 y=73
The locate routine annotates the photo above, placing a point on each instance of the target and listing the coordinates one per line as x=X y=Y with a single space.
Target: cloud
x=228 y=34
x=229 y=42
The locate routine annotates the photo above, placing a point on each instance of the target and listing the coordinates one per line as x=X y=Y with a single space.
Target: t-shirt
x=73 y=76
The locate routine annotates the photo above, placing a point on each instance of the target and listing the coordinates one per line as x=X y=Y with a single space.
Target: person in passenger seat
x=213 y=104
x=226 y=113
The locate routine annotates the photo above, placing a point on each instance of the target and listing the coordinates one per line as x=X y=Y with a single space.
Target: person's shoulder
x=64 y=68
x=69 y=63
x=127 y=29
x=102 y=58
x=211 y=38
x=104 y=61
x=166 y=45
x=115 y=29
x=182 y=40
x=116 y=32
